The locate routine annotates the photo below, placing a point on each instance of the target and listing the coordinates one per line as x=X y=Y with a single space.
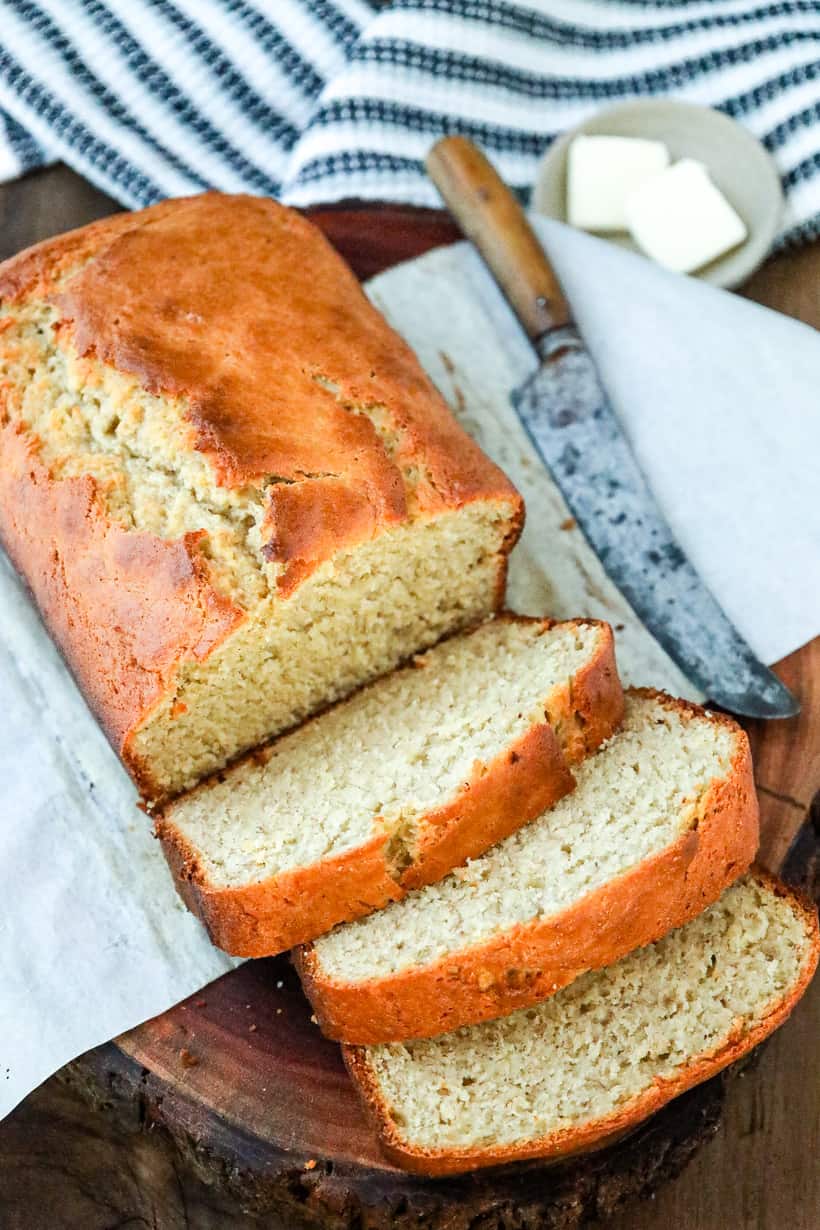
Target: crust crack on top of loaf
x=217 y=379
x=92 y=420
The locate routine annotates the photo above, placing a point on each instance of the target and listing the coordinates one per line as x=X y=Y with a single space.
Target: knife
x=569 y=419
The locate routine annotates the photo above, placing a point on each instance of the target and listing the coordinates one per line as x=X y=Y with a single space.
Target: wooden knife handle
x=491 y=217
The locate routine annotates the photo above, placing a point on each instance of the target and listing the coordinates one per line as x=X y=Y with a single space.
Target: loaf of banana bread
x=231 y=488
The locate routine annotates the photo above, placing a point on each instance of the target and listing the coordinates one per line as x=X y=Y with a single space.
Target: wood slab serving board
x=240 y=1080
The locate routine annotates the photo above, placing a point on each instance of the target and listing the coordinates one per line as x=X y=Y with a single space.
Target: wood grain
x=787 y=757
x=210 y=1115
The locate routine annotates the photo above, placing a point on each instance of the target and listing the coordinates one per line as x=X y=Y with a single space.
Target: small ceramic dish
x=737 y=162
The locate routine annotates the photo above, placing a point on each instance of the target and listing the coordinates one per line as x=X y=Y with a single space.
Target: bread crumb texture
x=633 y=798
x=591 y=1049
x=385 y=758
x=211 y=373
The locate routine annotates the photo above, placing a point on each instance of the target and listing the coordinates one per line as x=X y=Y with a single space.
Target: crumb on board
x=568 y=524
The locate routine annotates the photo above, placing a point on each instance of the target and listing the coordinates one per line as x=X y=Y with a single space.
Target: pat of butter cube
x=602 y=172
x=681 y=218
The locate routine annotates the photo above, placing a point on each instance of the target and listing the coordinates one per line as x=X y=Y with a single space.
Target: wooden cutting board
x=258 y=1103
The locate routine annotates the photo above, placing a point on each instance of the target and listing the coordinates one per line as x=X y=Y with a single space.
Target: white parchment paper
x=721 y=400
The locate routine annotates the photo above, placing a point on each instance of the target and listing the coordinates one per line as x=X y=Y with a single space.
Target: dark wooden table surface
x=65 y=1164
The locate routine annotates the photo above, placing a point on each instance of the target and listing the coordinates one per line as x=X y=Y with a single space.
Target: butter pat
x=602 y=172
x=681 y=219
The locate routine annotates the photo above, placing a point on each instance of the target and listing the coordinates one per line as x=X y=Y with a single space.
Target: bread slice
x=605 y=1052
x=662 y=819
x=392 y=788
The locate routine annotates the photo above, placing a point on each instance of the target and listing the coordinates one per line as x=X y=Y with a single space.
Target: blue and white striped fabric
x=322 y=100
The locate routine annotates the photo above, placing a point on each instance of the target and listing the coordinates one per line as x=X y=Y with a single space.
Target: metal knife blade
x=575 y=430
x=572 y=425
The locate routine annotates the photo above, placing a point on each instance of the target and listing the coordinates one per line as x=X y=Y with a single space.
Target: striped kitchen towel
x=322 y=100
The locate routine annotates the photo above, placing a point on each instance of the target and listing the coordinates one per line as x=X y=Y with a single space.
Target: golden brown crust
x=33 y=272
x=125 y=607
x=268 y=917
x=251 y=338
x=241 y=309
x=262 y=919
x=599 y=1132
x=532 y=961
